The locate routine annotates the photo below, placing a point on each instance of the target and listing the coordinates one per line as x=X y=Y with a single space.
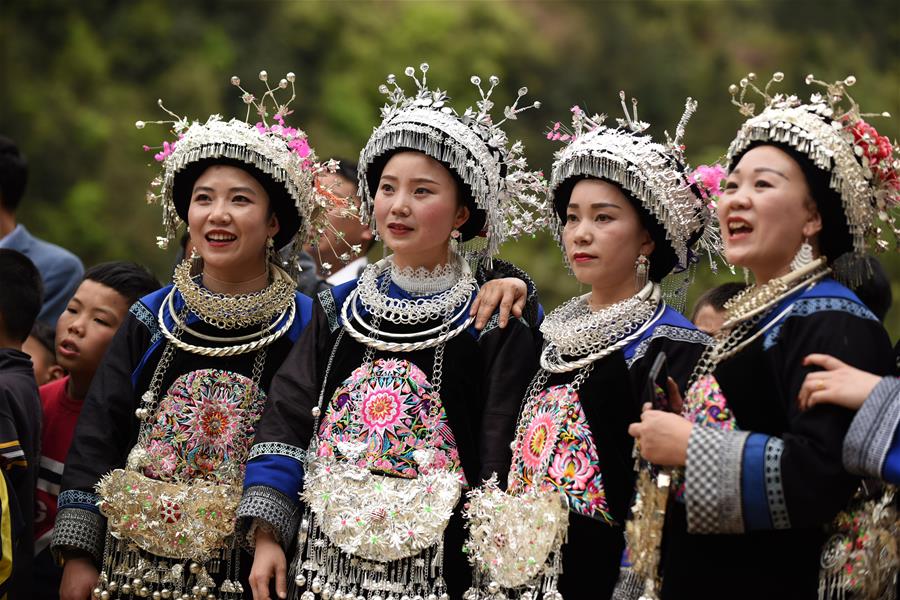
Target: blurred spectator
x=20 y=422
x=328 y=267
x=60 y=269
x=41 y=347
x=709 y=310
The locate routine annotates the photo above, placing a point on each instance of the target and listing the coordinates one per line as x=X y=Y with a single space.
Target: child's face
x=44 y=361
x=709 y=320
x=87 y=326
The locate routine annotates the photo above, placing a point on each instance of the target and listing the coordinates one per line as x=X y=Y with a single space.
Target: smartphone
x=657 y=380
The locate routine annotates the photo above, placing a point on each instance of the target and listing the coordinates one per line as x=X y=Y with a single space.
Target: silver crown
x=655 y=174
x=475 y=147
x=831 y=131
x=271 y=146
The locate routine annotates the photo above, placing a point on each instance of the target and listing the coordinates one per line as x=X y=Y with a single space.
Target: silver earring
x=803 y=257
x=271 y=255
x=641 y=271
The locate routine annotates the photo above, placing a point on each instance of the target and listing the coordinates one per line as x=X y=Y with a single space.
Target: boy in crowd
x=41 y=347
x=83 y=332
x=20 y=422
x=709 y=310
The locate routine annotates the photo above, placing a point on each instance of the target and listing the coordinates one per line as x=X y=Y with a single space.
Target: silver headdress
x=280 y=151
x=655 y=174
x=474 y=146
x=864 y=167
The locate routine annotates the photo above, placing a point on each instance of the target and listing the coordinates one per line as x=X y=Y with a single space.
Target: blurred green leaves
x=75 y=76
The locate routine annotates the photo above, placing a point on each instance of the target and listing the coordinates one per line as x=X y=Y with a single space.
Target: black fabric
x=20 y=429
x=280 y=201
x=761 y=388
x=484 y=381
x=611 y=400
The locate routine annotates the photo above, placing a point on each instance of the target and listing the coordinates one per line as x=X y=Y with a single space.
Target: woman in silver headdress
x=763 y=478
x=626 y=215
x=392 y=401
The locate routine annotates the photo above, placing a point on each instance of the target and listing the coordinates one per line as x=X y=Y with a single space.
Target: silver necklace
x=404 y=311
x=574 y=330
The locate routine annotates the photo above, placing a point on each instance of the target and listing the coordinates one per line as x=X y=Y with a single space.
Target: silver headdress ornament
x=655 y=174
x=280 y=151
x=474 y=146
x=831 y=131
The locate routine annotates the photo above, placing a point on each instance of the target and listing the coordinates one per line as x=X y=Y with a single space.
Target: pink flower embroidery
x=380 y=409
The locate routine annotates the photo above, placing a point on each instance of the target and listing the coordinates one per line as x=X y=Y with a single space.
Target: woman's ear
x=462 y=215
x=274 y=226
x=813 y=224
x=647 y=245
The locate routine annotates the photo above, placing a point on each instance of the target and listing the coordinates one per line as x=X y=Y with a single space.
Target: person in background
x=875 y=288
x=41 y=347
x=709 y=311
x=83 y=333
x=20 y=422
x=60 y=269
x=329 y=267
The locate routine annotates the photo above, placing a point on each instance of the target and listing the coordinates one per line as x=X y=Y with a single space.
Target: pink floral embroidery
x=382 y=409
x=395 y=417
x=574 y=468
x=537 y=445
x=204 y=424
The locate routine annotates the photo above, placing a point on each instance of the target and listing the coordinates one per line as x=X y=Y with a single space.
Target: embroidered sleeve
x=277 y=465
x=713 y=480
x=873 y=430
x=147 y=319
x=262 y=503
x=78 y=529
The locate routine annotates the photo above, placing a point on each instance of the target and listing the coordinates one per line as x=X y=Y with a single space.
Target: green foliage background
x=76 y=75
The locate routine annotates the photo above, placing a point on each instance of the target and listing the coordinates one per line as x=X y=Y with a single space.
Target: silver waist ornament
x=364 y=535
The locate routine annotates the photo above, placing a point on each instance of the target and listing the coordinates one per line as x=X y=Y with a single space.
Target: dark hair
x=477 y=217
x=835 y=238
x=46 y=337
x=21 y=294
x=130 y=280
x=875 y=288
x=13 y=174
x=717 y=297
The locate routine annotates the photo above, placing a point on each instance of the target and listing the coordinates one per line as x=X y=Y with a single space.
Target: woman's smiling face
x=766 y=212
x=229 y=218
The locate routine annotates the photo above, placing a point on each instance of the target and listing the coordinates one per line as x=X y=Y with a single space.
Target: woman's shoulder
x=672 y=326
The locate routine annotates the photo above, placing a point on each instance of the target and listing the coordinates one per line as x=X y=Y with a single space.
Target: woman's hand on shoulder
x=508 y=293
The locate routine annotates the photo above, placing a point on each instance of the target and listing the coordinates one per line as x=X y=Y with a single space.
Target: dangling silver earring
x=641 y=271
x=803 y=257
x=454 y=241
x=746 y=275
x=196 y=262
x=271 y=254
